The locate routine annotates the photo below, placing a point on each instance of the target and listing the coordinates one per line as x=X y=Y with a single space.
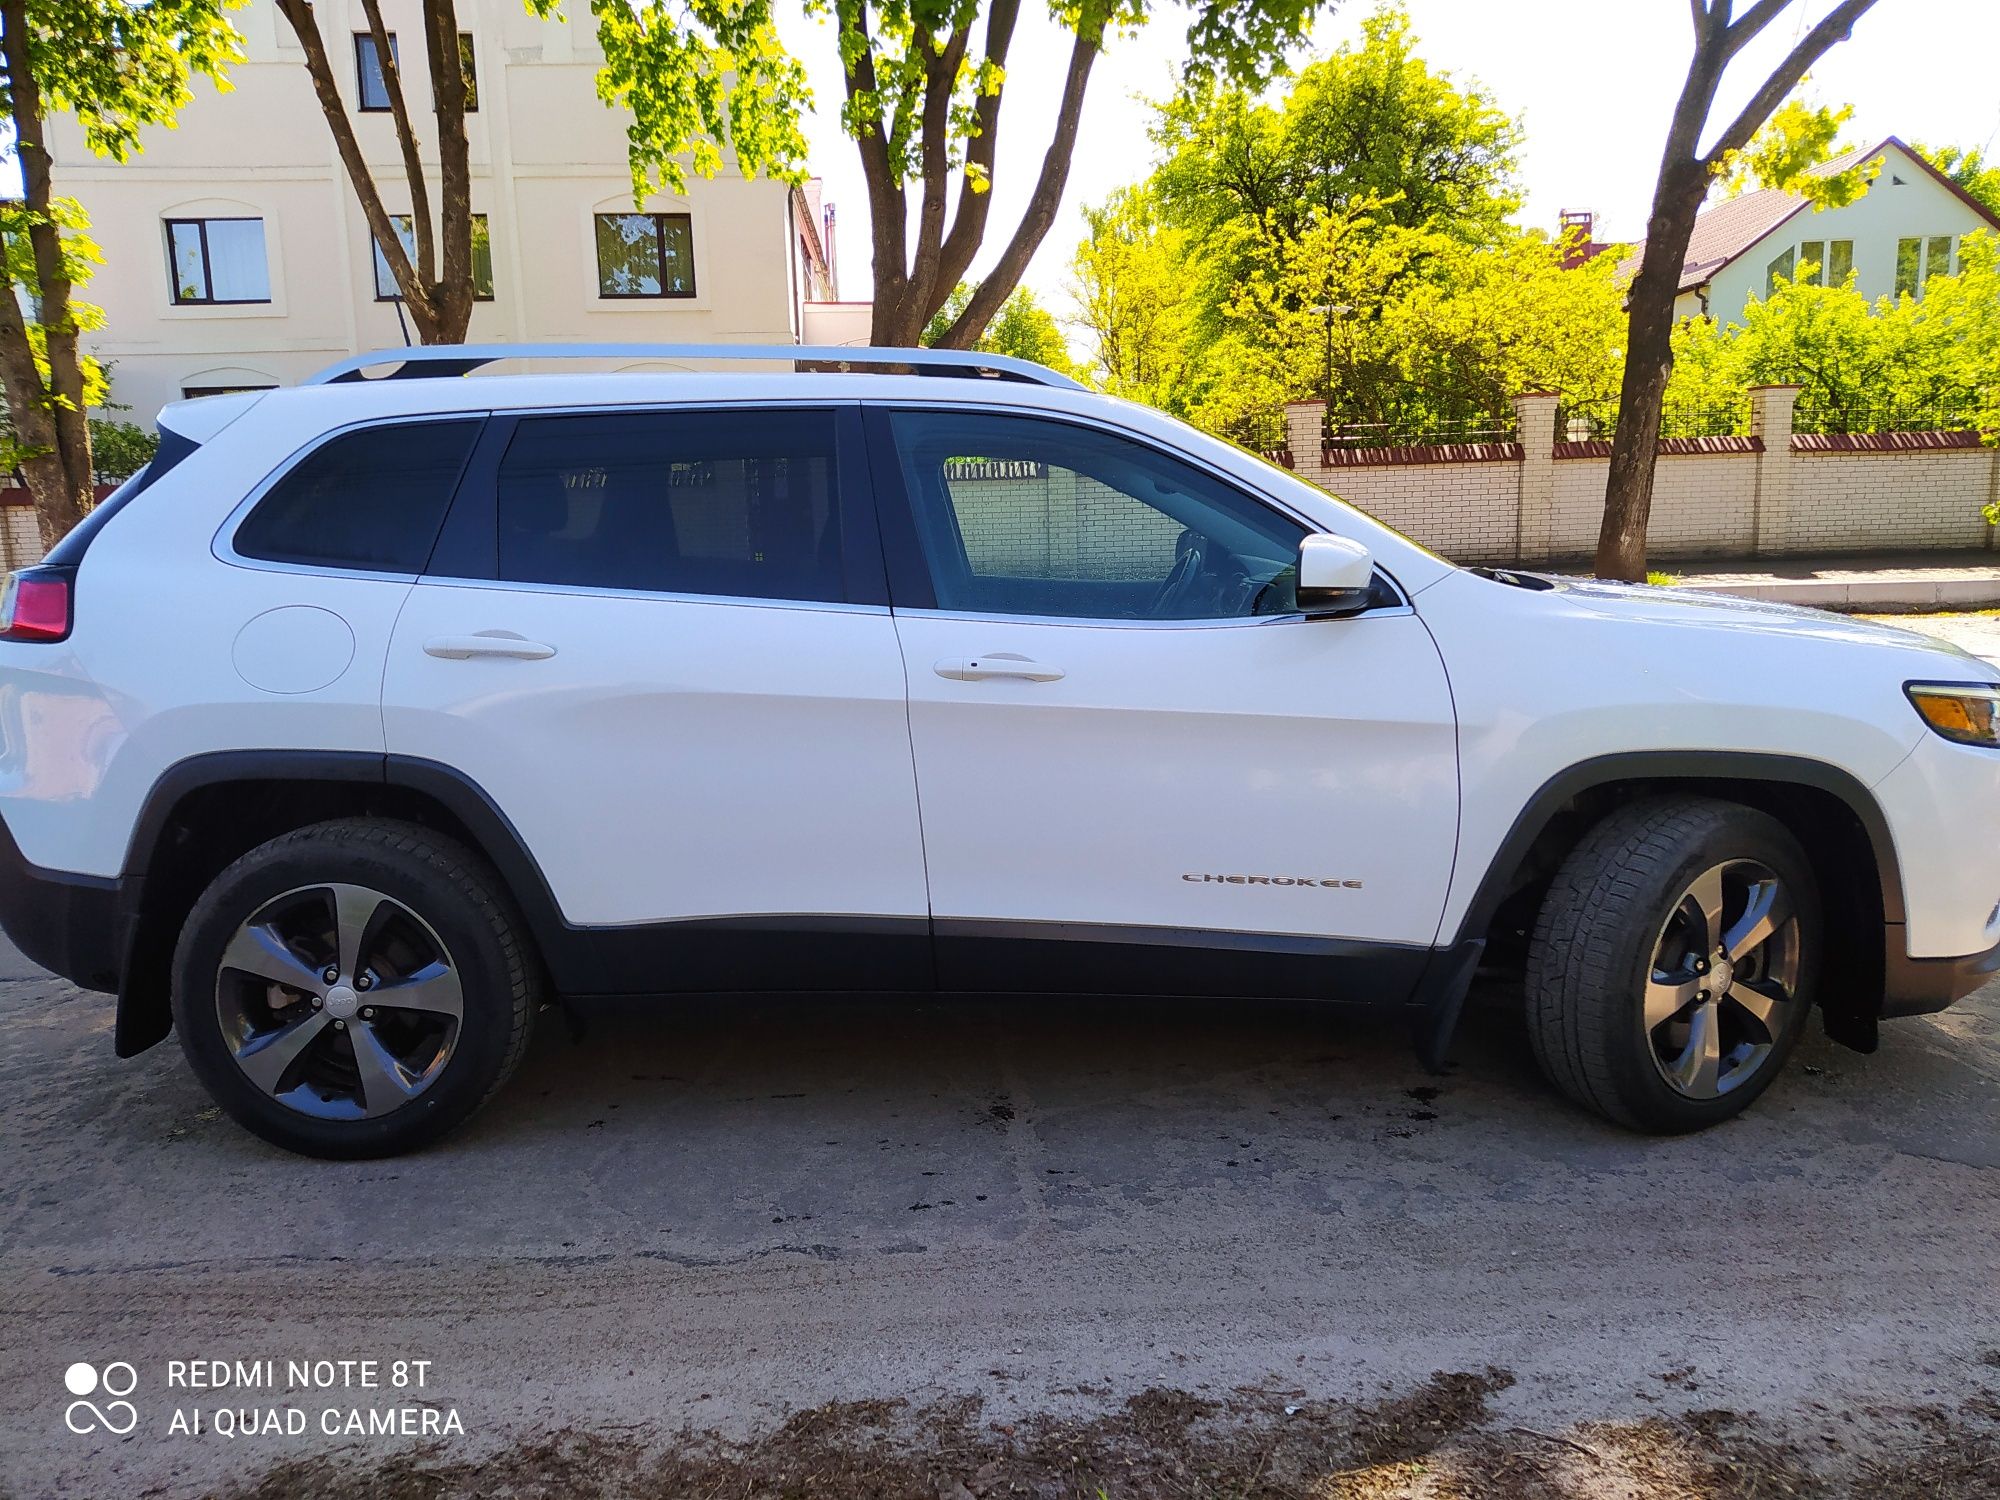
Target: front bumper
x=72 y=925
x=1923 y=986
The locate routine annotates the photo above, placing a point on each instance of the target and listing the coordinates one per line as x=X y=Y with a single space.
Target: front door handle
x=487 y=643
x=996 y=664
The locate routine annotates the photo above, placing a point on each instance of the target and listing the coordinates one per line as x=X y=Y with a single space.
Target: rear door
x=658 y=641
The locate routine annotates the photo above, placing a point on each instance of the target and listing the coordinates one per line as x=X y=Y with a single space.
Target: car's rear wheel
x=1673 y=963
x=354 y=988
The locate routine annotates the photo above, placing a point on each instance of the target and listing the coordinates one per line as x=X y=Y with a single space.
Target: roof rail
x=435 y=360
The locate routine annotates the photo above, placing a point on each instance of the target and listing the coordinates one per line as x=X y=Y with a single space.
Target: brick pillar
x=1535 y=503
x=1305 y=436
x=1771 y=419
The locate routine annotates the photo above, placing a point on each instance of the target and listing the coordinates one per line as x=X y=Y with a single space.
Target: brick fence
x=1772 y=494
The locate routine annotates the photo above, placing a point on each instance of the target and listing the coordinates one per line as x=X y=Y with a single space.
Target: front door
x=658 y=641
x=1139 y=766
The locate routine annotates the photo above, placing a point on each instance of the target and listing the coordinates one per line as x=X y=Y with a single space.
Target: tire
x=1635 y=1006
x=431 y=1022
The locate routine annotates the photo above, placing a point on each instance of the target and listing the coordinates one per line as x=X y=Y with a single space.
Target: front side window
x=370 y=499
x=645 y=255
x=386 y=289
x=370 y=87
x=737 y=504
x=217 y=260
x=1027 y=516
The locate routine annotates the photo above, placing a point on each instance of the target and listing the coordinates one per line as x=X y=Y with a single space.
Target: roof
x=1729 y=228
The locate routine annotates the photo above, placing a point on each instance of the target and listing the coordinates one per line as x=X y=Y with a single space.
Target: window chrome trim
x=1101 y=622
x=587 y=591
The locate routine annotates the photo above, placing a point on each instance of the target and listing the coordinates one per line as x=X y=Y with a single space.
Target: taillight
x=35 y=605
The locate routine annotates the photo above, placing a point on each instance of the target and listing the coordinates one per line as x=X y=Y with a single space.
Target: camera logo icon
x=117 y=1379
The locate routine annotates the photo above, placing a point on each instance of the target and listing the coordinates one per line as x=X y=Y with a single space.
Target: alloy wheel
x=339 y=1001
x=1724 y=979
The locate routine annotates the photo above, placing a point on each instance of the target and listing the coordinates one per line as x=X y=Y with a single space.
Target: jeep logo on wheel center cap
x=342 y=1002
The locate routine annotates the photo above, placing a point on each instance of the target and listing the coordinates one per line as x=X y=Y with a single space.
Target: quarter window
x=1019 y=515
x=386 y=289
x=370 y=87
x=371 y=499
x=731 y=503
x=217 y=260
x=645 y=255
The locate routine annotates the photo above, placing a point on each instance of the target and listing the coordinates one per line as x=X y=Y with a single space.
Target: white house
x=1904 y=229
x=237 y=255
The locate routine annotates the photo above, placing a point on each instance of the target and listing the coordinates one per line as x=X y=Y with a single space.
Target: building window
x=370 y=86
x=482 y=259
x=1825 y=262
x=217 y=260
x=1781 y=267
x=645 y=255
x=465 y=65
x=1918 y=260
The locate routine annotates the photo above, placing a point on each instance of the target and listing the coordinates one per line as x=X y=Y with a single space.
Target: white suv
x=377 y=711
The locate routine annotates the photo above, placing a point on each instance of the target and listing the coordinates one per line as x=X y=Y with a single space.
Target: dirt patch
x=1440 y=1441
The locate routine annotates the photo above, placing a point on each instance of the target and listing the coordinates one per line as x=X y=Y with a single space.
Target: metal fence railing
x=1416 y=431
x=1819 y=414
x=1592 y=421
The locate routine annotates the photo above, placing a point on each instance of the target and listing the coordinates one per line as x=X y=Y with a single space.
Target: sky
x=1592 y=81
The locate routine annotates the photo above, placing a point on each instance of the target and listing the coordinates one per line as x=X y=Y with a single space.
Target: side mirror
x=1336 y=575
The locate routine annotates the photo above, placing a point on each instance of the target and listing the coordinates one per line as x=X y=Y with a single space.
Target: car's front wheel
x=354 y=988
x=1673 y=963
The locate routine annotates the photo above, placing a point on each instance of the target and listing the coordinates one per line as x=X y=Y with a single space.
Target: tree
x=1969 y=169
x=437 y=285
x=1687 y=170
x=1130 y=278
x=115 y=67
x=1022 y=329
x=925 y=85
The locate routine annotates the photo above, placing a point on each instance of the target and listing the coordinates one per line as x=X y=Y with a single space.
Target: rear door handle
x=996 y=664
x=487 y=643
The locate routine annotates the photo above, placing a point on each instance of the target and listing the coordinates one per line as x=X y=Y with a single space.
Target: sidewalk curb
x=1872 y=595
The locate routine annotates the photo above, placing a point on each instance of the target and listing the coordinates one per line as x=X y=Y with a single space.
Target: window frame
x=208 y=266
x=914 y=590
x=223 y=546
x=379 y=263
x=467 y=554
x=361 y=104
x=659 y=256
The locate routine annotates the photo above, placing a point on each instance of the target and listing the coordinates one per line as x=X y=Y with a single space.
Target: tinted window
x=733 y=503
x=1018 y=515
x=371 y=499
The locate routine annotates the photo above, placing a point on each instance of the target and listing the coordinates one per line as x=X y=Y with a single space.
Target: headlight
x=1965 y=712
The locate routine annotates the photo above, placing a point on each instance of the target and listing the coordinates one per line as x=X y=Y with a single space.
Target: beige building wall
x=546 y=156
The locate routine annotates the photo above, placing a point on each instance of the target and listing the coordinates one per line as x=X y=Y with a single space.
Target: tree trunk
x=49 y=416
x=1649 y=361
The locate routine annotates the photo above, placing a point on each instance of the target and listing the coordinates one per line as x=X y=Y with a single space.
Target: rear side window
x=370 y=499
x=730 y=503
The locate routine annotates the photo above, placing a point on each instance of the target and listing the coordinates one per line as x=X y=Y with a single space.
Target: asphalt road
x=715 y=1215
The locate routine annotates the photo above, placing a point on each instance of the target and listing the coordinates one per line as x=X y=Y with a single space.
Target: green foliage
x=1348 y=241
x=119 y=66
x=120 y=449
x=1370 y=129
x=1969 y=169
x=699 y=78
x=1022 y=329
x=79 y=258
x=1796 y=141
